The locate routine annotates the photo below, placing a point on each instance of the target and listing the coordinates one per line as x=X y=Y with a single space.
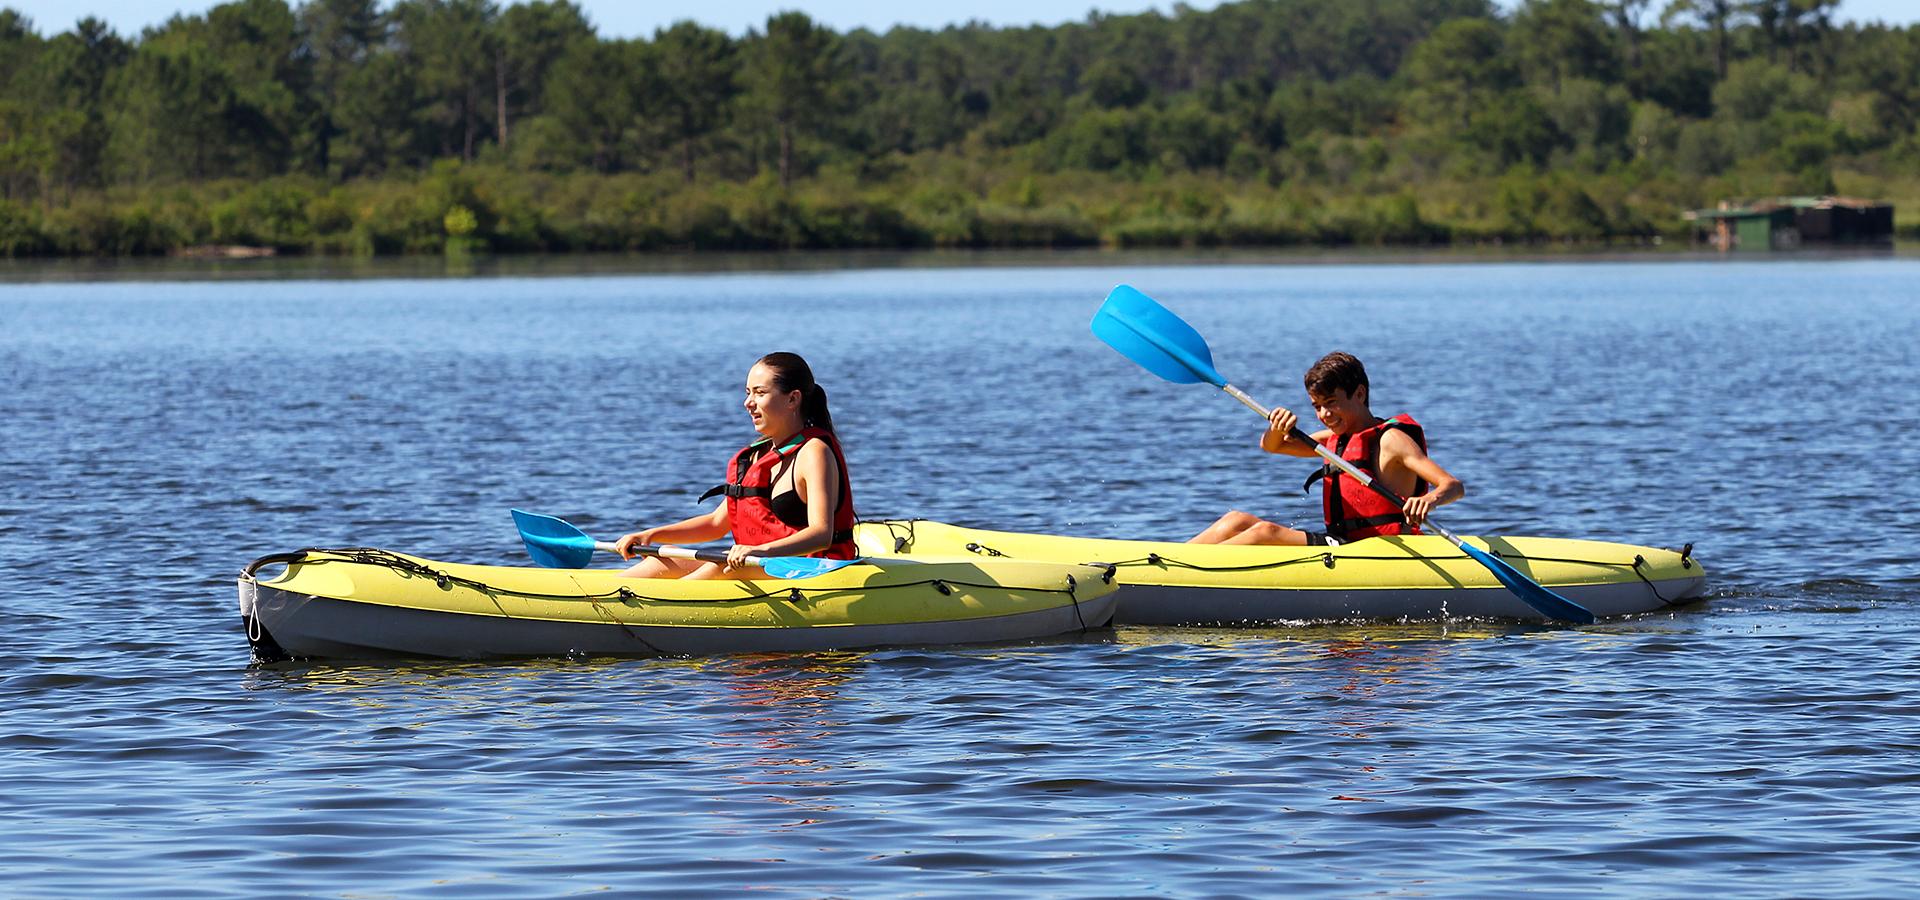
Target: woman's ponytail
x=813 y=408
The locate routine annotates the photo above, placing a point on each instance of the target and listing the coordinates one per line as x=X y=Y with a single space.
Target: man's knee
x=1239 y=519
x=1269 y=533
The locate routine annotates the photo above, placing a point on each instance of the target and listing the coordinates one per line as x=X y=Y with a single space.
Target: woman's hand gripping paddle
x=557 y=544
x=1164 y=344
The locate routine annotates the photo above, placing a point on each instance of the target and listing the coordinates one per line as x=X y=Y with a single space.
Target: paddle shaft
x=1342 y=464
x=671 y=552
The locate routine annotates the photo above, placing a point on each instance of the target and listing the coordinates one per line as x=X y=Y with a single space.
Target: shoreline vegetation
x=342 y=127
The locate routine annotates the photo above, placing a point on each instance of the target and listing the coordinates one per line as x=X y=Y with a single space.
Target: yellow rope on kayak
x=374 y=556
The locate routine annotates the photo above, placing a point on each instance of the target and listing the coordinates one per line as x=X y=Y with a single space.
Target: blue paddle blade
x=802 y=566
x=553 y=543
x=1537 y=596
x=1151 y=335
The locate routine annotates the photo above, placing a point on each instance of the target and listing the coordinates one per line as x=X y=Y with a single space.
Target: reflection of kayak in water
x=1398 y=577
x=374 y=603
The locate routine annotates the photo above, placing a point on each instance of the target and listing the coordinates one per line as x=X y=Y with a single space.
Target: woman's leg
x=712 y=570
x=661 y=567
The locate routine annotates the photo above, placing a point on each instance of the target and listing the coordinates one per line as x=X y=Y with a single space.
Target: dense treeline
x=342 y=126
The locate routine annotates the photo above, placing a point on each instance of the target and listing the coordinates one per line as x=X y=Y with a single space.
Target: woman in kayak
x=1392 y=451
x=787 y=494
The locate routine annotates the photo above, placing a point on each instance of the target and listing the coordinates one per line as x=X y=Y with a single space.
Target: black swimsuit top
x=787 y=506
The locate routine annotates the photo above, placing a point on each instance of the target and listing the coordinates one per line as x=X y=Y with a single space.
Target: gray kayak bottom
x=284 y=624
x=1142 y=604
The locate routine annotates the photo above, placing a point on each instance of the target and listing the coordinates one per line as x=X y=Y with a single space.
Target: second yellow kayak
x=1393 y=578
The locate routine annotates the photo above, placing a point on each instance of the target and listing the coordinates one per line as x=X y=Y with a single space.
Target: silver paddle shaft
x=671 y=552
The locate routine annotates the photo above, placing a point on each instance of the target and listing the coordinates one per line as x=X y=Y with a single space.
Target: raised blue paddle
x=557 y=544
x=1164 y=344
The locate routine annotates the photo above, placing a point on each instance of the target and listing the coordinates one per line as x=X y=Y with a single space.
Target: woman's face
x=775 y=413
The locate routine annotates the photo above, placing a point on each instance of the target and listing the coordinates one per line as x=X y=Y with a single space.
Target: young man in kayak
x=1391 y=451
x=787 y=494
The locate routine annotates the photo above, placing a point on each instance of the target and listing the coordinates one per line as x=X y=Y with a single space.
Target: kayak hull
x=371 y=604
x=1390 y=578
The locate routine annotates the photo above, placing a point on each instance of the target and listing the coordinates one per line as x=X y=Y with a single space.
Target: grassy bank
x=928 y=202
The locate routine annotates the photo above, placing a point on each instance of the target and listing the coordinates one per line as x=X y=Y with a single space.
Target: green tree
x=696 y=77
x=337 y=38
x=1756 y=89
x=1717 y=16
x=1626 y=22
x=209 y=97
x=1114 y=84
x=19 y=45
x=1456 y=68
x=258 y=44
x=1467 y=86
x=1593 y=116
x=791 y=70
x=529 y=38
x=1557 y=40
x=72 y=72
x=1791 y=26
x=453 y=48
x=599 y=96
x=380 y=110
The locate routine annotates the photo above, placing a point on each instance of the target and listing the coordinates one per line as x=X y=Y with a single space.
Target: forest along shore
x=348 y=126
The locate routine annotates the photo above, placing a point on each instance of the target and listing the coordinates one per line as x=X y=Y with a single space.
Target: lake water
x=156 y=433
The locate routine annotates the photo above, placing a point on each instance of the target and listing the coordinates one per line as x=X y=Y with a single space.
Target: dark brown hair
x=1336 y=371
x=791 y=373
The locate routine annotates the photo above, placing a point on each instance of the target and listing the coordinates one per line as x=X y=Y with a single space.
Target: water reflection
x=784 y=720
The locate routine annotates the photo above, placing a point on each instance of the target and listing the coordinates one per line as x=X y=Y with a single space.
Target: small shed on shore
x=1782 y=223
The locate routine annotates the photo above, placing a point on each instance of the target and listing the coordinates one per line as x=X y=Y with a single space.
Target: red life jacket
x=1354 y=511
x=751 y=475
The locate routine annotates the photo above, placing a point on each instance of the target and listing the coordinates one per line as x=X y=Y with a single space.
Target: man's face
x=1340 y=411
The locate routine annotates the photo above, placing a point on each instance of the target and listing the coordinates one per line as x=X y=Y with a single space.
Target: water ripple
x=1756 y=743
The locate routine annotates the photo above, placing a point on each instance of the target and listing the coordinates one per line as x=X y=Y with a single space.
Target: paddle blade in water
x=553 y=543
x=802 y=566
x=1547 y=602
x=1151 y=335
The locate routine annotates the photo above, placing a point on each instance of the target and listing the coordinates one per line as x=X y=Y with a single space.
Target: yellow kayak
x=1397 y=578
x=375 y=603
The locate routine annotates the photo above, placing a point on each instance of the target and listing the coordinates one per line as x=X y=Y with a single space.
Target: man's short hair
x=1336 y=371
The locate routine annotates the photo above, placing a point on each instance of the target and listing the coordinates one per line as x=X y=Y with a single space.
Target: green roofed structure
x=1782 y=223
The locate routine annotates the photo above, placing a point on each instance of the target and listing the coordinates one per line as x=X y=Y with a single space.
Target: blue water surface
x=158 y=433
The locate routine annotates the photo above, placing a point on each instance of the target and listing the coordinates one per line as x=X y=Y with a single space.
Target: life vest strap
x=1329 y=471
x=735 y=492
x=1347 y=526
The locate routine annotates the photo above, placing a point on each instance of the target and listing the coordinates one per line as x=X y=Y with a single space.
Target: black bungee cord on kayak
x=374 y=556
x=1636 y=565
